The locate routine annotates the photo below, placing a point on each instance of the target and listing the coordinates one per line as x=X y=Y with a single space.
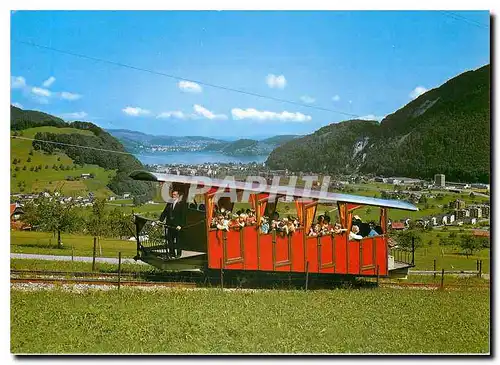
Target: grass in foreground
x=211 y=321
x=44 y=243
x=68 y=266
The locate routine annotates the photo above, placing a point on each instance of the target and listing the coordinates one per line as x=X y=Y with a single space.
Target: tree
x=405 y=238
x=469 y=244
x=120 y=224
x=97 y=222
x=50 y=215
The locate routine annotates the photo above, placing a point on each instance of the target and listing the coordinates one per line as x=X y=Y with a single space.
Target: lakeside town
x=416 y=191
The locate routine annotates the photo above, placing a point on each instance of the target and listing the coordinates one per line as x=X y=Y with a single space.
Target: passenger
x=312 y=232
x=264 y=225
x=242 y=219
x=290 y=227
x=222 y=223
x=275 y=221
x=364 y=229
x=373 y=231
x=326 y=228
x=337 y=229
x=354 y=234
x=357 y=221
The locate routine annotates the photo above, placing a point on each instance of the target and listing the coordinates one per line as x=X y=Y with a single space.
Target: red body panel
x=282 y=252
x=312 y=253
x=298 y=252
x=340 y=254
x=266 y=252
x=250 y=250
x=251 y=258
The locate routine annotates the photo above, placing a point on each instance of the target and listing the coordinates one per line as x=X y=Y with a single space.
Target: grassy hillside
x=48 y=177
x=37 y=165
x=446 y=130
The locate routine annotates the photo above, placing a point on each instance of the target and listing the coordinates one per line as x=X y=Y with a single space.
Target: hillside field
x=49 y=178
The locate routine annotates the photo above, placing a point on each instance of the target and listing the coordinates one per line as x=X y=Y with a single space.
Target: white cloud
x=69 y=96
x=135 y=111
x=307 y=99
x=419 y=90
x=75 y=115
x=262 y=116
x=38 y=91
x=372 y=117
x=189 y=87
x=17 y=82
x=172 y=114
x=276 y=82
x=204 y=112
x=336 y=98
x=49 y=81
x=18 y=105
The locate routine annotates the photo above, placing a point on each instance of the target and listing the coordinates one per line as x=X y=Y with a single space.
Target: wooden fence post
x=480 y=268
x=93 y=255
x=307 y=274
x=434 y=268
x=378 y=274
x=221 y=275
x=119 y=268
x=442 y=278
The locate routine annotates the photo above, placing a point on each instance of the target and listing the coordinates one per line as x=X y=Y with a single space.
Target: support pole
x=434 y=268
x=119 y=269
x=442 y=278
x=93 y=255
x=72 y=253
x=307 y=275
x=480 y=268
x=413 y=251
x=378 y=274
x=221 y=275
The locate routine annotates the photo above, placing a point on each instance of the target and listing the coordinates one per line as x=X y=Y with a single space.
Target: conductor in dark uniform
x=175 y=214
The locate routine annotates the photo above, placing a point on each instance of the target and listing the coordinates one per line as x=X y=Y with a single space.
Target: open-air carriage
x=249 y=249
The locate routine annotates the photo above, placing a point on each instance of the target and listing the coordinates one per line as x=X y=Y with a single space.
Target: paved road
x=107 y=260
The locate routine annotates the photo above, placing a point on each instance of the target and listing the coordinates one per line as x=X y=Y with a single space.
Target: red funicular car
x=248 y=248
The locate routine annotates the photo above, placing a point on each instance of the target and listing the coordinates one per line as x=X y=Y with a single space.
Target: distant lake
x=194 y=158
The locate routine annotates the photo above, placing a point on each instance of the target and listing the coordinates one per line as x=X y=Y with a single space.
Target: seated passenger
x=222 y=223
x=275 y=221
x=373 y=231
x=326 y=228
x=290 y=227
x=337 y=229
x=364 y=229
x=242 y=219
x=264 y=225
x=354 y=234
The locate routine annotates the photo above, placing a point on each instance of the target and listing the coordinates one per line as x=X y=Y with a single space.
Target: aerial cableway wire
x=114 y=63
x=74 y=145
x=456 y=16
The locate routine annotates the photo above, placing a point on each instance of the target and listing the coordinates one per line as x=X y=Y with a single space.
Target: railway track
x=176 y=280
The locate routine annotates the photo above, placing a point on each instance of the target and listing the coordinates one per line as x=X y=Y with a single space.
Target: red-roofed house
x=398 y=226
x=481 y=233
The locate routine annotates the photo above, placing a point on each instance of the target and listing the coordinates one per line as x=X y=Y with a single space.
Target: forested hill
x=122 y=163
x=446 y=130
x=249 y=147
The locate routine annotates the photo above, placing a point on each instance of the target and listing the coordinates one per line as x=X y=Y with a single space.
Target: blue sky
x=364 y=63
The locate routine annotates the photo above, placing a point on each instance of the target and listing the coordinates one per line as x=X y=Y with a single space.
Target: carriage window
x=368 y=227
